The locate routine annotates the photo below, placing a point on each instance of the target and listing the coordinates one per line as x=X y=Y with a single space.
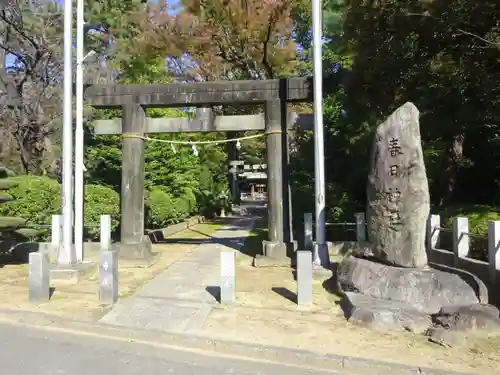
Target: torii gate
x=275 y=120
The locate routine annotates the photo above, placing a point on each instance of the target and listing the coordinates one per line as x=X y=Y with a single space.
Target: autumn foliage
x=224 y=39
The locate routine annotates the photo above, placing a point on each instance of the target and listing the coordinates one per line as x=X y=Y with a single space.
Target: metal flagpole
x=79 y=145
x=320 y=256
x=66 y=254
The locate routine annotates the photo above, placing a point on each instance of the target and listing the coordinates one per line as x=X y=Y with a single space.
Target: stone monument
x=388 y=283
x=398 y=192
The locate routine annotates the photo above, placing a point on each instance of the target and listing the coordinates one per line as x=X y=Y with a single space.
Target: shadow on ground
x=235 y=243
x=214 y=291
x=250 y=246
x=285 y=293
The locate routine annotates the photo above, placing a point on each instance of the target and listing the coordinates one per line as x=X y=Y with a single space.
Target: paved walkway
x=180 y=299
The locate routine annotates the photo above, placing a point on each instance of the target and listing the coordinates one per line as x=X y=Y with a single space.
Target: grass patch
x=203 y=230
x=487 y=344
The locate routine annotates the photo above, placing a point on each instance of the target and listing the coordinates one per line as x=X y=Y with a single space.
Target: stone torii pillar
x=134 y=244
x=280 y=246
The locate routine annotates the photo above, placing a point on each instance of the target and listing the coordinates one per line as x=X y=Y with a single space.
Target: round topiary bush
x=162 y=209
x=7 y=224
x=100 y=200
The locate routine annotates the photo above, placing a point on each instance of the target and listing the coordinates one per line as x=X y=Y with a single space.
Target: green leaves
x=36 y=199
x=100 y=200
x=162 y=208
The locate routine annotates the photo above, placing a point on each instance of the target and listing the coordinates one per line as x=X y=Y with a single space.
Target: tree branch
x=461 y=31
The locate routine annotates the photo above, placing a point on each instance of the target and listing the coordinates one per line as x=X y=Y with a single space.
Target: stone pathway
x=181 y=298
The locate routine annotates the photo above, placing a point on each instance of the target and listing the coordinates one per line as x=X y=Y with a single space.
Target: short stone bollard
x=39 y=277
x=56 y=234
x=105 y=236
x=108 y=277
x=304 y=277
x=228 y=277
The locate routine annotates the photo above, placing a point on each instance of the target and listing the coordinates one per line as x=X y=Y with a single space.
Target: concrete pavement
x=26 y=351
x=180 y=299
x=21 y=332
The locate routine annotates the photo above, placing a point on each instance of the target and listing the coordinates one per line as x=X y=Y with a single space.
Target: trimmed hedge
x=162 y=209
x=8 y=224
x=36 y=199
x=100 y=200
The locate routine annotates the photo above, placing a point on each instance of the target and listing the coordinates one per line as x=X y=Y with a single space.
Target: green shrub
x=182 y=207
x=100 y=200
x=212 y=203
x=478 y=216
x=190 y=199
x=8 y=225
x=162 y=209
x=207 y=203
x=185 y=204
x=35 y=199
x=5 y=173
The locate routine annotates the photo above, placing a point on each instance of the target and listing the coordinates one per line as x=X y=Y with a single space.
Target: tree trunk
x=453 y=163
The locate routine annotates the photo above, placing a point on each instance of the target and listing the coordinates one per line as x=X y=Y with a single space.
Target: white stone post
x=108 y=277
x=493 y=249
x=304 y=277
x=105 y=237
x=433 y=231
x=228 y=277
x=39 y=277
x=460 y=238
x=56 y=235
x=360 y=227
x=308 y=231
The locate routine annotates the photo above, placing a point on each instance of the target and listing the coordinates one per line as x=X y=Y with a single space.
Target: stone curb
x=179 y=227
x=331 y=362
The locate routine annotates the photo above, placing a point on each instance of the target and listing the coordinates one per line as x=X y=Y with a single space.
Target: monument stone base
x=421 y=300
x=426 y=290
x=134 y=251
x=276 y=254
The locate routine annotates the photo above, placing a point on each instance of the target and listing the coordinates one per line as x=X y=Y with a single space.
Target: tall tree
x=444 y=57
x=30 y=41
x=216 y=39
